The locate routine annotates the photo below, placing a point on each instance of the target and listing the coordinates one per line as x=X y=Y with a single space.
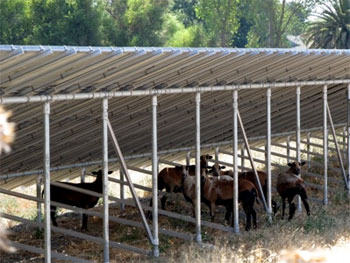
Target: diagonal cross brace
x=252 y=161
x=337 y=148
x=128 y=179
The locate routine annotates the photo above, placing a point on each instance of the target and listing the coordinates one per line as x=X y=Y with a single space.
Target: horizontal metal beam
x=54 y=255
x=101 y=95
x=73 y=233
x=164 y=152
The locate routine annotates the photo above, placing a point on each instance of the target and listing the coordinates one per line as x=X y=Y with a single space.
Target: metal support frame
x=298 y=136
x=268 y=151
x=122 y=191
x=188 y=158
x=235 y=162
x=242 y=158
x=308 y=137
x=38 y=195
x=131 y=93
x=130 y=184
x=216 y=154
x=105 y=180
x=149 y=155
x=83 y=175
x=325 y=147
x=288 y=149
x=337 y=148
x=348 y=134
x=82 y=180
x=344 y=143
x=155 y=178
x=263 y=197
x=198 y=169
x=47 y=221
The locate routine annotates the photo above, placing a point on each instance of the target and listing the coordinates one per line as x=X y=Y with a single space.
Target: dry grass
x=326 y=230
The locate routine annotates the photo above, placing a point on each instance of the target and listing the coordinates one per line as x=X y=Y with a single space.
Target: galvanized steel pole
x=268 y=150
x=198 y=170
x=308 y=150
x=217 y=151
x=83 y=175
x=235 y=162
x=348 y=135
x=105 y=180
x=47 y=198
x=38 y=195
x=122 y=192
x=188 y=158
x=288 y=149
x=298 y=136
x=325 y=146
x=344 y=142
x=82 y=180
x=155 y=177
x=242 y=158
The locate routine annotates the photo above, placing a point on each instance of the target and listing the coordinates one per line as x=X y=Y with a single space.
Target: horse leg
x=85 y=221
x=283 y=206
x=212 y=210
x=274 y=207
x=246 y=209
x=53 y=215
x=306 y=205
x=254 y=217
x=292 y=208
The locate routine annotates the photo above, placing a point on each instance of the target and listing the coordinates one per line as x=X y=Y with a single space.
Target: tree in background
x=240 y=38
x=139 y=22
x=65 y=22
x=186 y=11
x=274 y=19
x=14 y=21
x=332 y=30
x=220 y=18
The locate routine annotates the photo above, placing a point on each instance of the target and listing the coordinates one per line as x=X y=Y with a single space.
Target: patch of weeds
x=207 y=237
x=164 y=243
x=178 y=223
x=341 y=198
x=39 y=233
x=319 y=222
x=132 y=234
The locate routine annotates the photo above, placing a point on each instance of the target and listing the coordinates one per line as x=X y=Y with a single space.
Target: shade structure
x=75 y=125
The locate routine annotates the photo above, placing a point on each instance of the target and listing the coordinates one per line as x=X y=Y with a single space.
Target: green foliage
x=14 y=26
x=65 y=22
x=193 y=36
x=220 y=19
x=273 y=20
x=177 y=23
x=321 y=221
x=138 y=22
x=185 y=10
x=332 y=29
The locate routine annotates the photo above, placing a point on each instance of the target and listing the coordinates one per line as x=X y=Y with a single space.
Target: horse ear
x=222 y=167
x=290 y=164
x=302 y=163
x=209 y=157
